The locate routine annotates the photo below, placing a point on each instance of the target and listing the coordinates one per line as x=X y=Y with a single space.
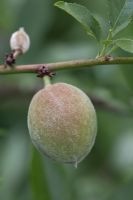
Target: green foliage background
x=107 y=172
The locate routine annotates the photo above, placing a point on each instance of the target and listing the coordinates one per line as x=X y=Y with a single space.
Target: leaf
x=121 y=14
x=38 y=179
x=83 y=16
x=125 y=44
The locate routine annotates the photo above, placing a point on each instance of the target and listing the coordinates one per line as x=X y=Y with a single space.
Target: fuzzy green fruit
x=62 y=122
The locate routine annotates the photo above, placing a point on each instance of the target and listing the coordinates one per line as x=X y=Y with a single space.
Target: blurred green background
x=107 y=172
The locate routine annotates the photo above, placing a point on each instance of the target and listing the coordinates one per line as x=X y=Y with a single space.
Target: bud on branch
x=20 y=41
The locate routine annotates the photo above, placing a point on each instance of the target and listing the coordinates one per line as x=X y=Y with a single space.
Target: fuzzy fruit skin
x=62 y=122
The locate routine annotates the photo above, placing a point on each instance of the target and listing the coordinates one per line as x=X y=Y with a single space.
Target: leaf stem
x=114 y=48
x=107 y=43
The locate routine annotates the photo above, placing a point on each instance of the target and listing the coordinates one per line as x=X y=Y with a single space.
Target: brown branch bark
x=74 y=64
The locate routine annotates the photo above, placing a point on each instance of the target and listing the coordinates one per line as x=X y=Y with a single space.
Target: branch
x=74 y=64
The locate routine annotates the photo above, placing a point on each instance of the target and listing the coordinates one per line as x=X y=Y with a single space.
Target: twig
x=74 y=64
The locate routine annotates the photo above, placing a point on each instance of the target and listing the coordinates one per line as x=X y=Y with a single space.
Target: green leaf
x=83 y=16
x=121 y=14
x=125 y=44
x=38 y=179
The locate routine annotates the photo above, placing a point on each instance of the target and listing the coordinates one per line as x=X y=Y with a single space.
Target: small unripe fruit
x=20 y=41
x=62 y=123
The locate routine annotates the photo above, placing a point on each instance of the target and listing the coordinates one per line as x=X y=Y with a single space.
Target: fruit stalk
x=46 y=80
